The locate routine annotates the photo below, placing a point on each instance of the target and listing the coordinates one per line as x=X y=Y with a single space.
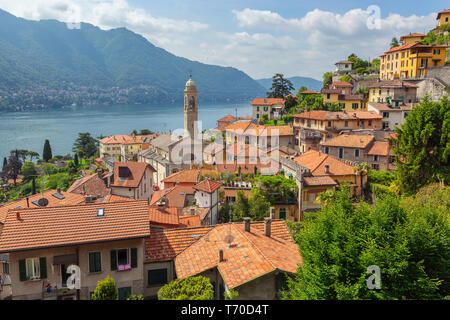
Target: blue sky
x=297 y=38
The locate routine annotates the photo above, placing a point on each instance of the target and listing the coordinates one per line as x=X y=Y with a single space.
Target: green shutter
x=98 y=262
x=133 y=257
x=113 y=260
x=43 y=266
x=91 y=262
x=22 y=270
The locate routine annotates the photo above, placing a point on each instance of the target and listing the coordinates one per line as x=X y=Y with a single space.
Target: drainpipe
x=78 y=264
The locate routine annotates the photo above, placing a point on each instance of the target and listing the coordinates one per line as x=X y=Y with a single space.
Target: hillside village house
x=340 y=92
x=411 y=60
x=412 y=38
x=227 y=120
x=443 y=18
x=344 y=66
x=393 y=92
x=178 y=196
x=313 y=126
x=207 y=196
x=133 y=180
x=43 y=242
x=393 y=115
x=124 y=147
x=272 y=107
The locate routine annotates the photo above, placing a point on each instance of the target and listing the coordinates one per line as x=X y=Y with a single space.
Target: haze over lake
x=28 y=130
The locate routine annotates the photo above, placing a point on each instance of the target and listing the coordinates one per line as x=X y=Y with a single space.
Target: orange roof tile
x=201 y=212
x=116 y=198
x=267 y=101
x=319 y=181
x=76 y=224
x=339 y=115
x=92 y=185
x=412 y=35
x=316 y=161
x=53 y=201
x=163 y=215
x=442 y=12
x=309 y=92
x=379 y=148
x=278 y=131
x=341 y=84
x=227 y=118
x=208 y=185
x=349 y=141
x=190 y=221
x=165 y=244
x=135 y=173
x=249 y=256
x=176 y=195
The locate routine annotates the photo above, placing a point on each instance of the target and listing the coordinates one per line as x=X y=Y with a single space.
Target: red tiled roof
x=176 y=195
x=163 y=215
x=341 y=84
x=249 y=256
x=208 y=186
x=379 y=148
x=319 y=181
x=309 y=92
x=349 y=141
x=92 y=185
x=69 y=199
x=136 y=172
x=267 y=101
x=392 y=84
x=412 y=35
x=335 y=91
x=439 y=14
x=316 y=161
x=190 y=221
x=339 y=115
x=384 y=107
x=76 y=224
x=227 y=118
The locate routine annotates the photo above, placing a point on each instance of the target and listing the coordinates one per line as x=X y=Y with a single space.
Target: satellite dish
x=229 y=239
x=43 y=202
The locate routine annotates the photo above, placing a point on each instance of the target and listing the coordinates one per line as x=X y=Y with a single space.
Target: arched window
x=191 y=103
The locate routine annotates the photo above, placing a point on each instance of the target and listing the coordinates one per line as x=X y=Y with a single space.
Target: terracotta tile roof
x=278 y=130
x=53 y=201
x=92 y=185
x=267 y=101
x=339 y=115
x=190 y=175
x=228 y=118
x=316 y=161
x=412 y=35
x=176 y=195
x=379 y=148
x=341 y=84
x=349 y=141
x=350 y=97
x=135 y=173
x=165 y=244
x=163 y=215
x=114 y=198
x=77 y=224
x=384 y=107
x=392 y=84
x=122 y=139
x=201 y=212
x=208 y=186
x=442 y=12
x=319 y=181
x=335 y=91
x=248 y=167
x=190 y=221
x=250 y=255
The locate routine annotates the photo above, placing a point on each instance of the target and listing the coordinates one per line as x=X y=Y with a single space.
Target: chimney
x=220 y=255
x=272 y=213
x=247 y=224
x=327 y=168
x=28 y=202
x=267 y=226
x=88 y=199
x=18 y=215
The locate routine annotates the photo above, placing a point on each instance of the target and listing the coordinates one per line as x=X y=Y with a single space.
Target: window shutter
x=133 y=257
x=113 y=260
x=22 y=270
x=43 y=267
x=91 y=261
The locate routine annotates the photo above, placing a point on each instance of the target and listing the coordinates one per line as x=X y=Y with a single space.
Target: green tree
x=290 y=102
x=85 y=145
x=29 y=170
x=136 y=297
x=75 y=160
x=301 y=89
x=32 y=154
x=224 y=213
x=241 y=208
x=422 y=145
x=47 y=152
x=105 y=290
x=13 y=168
x=327 y=79
x=394 y=42
x=259 y=205
x=281 y=87
x=408 y=240
x=192 y=288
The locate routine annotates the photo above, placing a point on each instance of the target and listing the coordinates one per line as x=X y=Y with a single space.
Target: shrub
x=105 y=290
x=192 y=288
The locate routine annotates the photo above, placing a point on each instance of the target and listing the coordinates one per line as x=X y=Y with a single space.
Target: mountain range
x=48 y=53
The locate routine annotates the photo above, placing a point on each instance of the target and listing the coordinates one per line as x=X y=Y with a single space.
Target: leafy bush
x=192 y=288
x=136 y=297
x=105 y=290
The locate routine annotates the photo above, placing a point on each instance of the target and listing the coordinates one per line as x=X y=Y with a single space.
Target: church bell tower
x=190 y=109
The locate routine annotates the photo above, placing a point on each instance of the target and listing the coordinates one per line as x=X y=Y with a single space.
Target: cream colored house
x=42 y=243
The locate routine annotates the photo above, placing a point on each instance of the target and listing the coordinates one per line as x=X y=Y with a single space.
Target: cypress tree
x=5 y=164
x=47 y=153
x=75 y=160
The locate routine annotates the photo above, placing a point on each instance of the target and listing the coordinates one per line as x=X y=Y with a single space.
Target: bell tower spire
x=190 y=109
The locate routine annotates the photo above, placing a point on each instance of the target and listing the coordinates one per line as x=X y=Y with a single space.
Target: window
x=33 y=268
x=265 y=108
x=5 y=267
x=95 y=262
x=157 y=277
x=326 y=150
x=385 y=114
x=257 y=108
x=328 y=96
x=124 y=293
x=341 y=153
x=123 y=259
x=355 y=105
x=356 y=153
x=282 y=213
x=346 y=124
x=375 y=158
x=329 y=123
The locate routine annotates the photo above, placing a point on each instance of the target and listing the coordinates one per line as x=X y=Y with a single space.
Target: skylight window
x=58 y=196
x=100 y=212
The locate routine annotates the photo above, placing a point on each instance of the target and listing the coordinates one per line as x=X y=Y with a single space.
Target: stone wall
x=435 y=89
x=440 y=73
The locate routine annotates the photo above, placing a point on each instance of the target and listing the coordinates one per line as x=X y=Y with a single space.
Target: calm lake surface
x=28 y=130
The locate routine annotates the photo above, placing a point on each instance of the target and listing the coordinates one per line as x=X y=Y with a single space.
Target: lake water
x=28 y=130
